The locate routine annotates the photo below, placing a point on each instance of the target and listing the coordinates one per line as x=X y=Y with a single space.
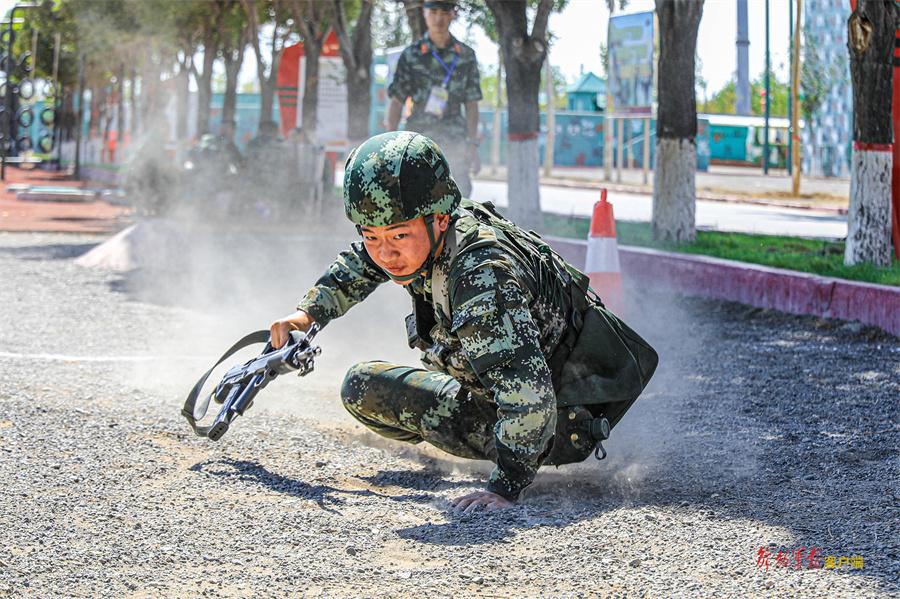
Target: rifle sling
x=188 y=410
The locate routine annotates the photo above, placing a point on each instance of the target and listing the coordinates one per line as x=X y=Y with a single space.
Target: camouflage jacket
x=418 y=70
x=495 y=329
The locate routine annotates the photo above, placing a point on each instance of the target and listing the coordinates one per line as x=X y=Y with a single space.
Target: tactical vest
x=599 y=363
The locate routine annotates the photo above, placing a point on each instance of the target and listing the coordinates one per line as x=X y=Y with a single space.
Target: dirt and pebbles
x=760 y=431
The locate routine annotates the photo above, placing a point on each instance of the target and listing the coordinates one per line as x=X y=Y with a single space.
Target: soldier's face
x=438 y=20
x=401 y=249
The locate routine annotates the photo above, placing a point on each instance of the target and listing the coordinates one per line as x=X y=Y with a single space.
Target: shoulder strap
x=440 y=293
x=440 y=288
x=190 y=411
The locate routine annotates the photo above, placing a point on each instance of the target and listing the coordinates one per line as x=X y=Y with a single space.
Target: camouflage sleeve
x=473 y=81
x=403 y=84
x=348 y=281
x=501 y=341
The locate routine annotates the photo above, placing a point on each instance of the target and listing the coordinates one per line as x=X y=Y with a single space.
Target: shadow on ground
x=325 y=496
x=57 y=251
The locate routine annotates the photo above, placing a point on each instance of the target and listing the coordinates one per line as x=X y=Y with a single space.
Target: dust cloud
x=229 y=249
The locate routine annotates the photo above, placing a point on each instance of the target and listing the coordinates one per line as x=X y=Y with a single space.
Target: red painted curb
x=752 y=284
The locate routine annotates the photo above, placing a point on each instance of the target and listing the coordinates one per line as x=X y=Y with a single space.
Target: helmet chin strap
x=426 y=266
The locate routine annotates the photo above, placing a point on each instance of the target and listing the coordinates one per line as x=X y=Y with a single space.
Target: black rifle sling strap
x=188 y=410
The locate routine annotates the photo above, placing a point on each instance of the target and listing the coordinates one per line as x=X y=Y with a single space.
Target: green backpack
x=601 y=363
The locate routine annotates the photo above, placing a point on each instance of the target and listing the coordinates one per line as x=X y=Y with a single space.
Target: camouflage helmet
x=395 y=177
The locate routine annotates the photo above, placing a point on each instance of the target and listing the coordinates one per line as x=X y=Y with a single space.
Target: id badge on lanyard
x=438 y=97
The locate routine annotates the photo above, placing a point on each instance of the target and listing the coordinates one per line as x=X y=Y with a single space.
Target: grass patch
x=819 y=257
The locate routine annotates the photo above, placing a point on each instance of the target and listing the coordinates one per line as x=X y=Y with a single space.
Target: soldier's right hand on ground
x=480 y=499
x=280 y=330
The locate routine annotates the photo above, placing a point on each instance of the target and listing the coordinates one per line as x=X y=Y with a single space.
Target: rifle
x=241 y=383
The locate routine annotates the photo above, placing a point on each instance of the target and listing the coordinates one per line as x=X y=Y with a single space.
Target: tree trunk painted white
x=869 y=216
x=674 y=191
x=523 y=190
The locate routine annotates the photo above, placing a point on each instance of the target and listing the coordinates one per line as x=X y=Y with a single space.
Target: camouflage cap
x=395 y=177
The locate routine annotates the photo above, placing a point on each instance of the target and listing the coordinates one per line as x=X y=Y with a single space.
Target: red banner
x=288 y=79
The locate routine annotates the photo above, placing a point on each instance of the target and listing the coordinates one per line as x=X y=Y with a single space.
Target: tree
x=170 y=32
x=149 y=49
x=676 y=125
x=312 y=23
x=724 y=101
x=356 y=52
x=209 y=24
x=277 y=13
x=491 y=85
x=702 y=83
x=870 y=40
x=390 y=26
x=415 y=17
x=779 y=94
x=524 y=53
x=234 y=31
x=48 y=19
x=559 y=85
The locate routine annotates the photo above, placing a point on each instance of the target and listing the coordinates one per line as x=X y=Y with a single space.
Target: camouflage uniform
x=495 y=314
x=488 y=393
x=417 y=72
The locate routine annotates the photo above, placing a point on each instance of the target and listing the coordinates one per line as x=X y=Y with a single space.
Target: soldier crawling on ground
x=524 y=365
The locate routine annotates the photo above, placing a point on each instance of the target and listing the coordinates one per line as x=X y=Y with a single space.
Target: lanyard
x=449 y=69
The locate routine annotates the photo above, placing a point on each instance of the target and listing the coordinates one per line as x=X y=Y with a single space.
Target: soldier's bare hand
x=281 y=329
x=480 y=499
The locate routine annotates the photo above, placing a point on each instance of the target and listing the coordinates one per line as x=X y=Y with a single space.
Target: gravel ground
x=760 y=430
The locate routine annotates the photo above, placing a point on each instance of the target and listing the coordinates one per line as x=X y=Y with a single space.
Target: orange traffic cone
x=602 y=261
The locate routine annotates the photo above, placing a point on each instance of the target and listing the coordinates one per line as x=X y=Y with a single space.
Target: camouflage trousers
x=414 y=405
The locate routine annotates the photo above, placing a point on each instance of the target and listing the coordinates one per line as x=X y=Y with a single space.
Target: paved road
x=720 y=179
x=721 y=216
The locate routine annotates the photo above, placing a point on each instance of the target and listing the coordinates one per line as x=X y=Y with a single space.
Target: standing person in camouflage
x=515 y=349
x=440 y=74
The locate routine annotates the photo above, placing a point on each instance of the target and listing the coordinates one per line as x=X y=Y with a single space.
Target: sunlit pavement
x=720 y=216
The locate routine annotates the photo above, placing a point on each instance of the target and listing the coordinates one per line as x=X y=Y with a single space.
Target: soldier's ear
x=443 y=221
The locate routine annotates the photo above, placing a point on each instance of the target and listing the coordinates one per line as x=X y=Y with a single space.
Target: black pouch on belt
x=608 y=366
x=419 y=324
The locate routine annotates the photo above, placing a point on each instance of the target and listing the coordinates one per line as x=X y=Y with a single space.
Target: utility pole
x=795 y=93
x=790 y=152
x=768 y=100
x=742 y=91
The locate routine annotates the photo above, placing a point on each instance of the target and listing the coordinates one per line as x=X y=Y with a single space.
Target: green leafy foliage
x=389 y=26
x=724 y=101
